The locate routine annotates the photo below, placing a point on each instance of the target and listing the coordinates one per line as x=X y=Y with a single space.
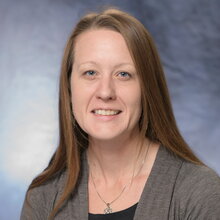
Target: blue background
x=32 y=39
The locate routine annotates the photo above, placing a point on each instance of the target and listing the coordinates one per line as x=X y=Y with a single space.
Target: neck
x=114 y=160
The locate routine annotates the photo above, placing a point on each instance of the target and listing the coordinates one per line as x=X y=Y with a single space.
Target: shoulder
x=40 y=200
x=49 y=189
x=197 y=191
x=197 y=177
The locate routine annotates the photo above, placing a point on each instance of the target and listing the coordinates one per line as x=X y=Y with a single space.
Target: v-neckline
x=159 y=168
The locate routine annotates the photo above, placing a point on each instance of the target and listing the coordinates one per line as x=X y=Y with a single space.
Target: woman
x=120 y=154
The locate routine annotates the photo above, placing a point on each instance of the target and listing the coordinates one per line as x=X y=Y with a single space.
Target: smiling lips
x=106 y=112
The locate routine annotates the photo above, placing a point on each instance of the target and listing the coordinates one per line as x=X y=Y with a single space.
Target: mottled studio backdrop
x=32 y=38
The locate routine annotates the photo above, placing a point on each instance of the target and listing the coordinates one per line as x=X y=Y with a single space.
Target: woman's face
x=106 y=94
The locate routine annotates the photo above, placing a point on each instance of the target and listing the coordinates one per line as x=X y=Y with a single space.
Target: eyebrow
x=117 y=65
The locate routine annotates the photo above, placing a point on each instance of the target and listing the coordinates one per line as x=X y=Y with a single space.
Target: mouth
x=106 y=112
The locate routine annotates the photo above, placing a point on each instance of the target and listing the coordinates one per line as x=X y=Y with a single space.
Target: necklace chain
x=108 y=209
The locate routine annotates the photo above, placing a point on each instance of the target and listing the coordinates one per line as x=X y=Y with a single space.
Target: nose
x=106 y=89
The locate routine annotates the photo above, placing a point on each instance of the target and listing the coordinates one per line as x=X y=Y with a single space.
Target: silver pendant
x=108 y=210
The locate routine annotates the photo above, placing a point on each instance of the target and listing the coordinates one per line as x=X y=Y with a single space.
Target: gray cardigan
x=175 y=189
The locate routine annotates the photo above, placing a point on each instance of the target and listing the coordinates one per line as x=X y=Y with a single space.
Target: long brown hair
x=157 y=120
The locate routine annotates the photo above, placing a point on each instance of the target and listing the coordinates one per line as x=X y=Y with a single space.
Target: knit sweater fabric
x=175 y=189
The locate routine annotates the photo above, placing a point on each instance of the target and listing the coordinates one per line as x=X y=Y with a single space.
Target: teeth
x=106 y=112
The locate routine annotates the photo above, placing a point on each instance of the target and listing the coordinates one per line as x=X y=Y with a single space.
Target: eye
x=125 y=75
x=89 y=73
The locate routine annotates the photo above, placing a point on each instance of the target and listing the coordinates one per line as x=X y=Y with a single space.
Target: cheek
x=81 y=95
x=76 y=100
x=133 y=100
x=75 y=105
x=136 y=107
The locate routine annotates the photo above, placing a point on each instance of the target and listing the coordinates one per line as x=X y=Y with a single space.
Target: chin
x=108 y=135
x=104 y=137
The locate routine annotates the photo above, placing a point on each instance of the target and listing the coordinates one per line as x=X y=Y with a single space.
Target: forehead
x=101 y=45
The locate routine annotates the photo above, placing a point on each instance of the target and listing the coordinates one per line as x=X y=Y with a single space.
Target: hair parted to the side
x=157 y=121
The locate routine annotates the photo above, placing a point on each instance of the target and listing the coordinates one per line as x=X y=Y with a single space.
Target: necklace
x=108 y=208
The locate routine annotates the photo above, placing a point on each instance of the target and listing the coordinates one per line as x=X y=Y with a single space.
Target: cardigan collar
x=164 y=164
